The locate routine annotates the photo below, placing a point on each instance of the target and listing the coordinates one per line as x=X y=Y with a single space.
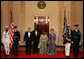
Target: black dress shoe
x=5 y=55
x=67 y=56
x=15 y=55
x=26 y=53
x=75 y=56
x=37 y=52
x=33 y=53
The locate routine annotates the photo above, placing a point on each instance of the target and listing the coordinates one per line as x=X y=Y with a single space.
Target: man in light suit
x=6 y=41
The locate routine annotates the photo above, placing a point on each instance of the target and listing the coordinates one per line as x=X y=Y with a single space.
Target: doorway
x=42 y=22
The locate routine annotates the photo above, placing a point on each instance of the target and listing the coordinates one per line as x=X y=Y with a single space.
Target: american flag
x=65 y=22
x=11 y=30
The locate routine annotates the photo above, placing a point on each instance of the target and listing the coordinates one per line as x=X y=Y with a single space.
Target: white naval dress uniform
x=67 y=49
x=6 y=41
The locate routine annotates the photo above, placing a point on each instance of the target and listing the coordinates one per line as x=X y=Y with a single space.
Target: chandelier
x=41 y=19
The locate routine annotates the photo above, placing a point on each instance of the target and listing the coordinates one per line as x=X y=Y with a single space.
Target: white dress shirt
x=28 y=34
x=36 y=33
x=76 y=30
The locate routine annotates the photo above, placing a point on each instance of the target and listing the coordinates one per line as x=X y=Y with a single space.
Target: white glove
x=19 y=42
x=80 y=43
x=72 y=42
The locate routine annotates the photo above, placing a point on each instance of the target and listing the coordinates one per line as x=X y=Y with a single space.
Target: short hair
x=76 y=25
x=51 y=29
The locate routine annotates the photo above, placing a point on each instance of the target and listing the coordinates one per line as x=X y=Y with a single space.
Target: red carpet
x=60 y=54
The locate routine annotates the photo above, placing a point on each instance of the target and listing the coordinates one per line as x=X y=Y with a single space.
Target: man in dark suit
x=36 y=37
x=28 y=41
x=76 y=36
x=16 y=39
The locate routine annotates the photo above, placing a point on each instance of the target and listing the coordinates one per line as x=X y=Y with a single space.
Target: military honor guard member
x=67 y=40
x=6 y=40
x=36 y=37
x=16 y=40
x=76 y=36
x=68 y=43
x=28 y=41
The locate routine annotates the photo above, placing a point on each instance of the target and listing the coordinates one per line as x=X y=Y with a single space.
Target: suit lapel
x=27 y=34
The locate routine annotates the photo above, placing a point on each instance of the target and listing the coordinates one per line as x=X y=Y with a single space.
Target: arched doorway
x=42 y=22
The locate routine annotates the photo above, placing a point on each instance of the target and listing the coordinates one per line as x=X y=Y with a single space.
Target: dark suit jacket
x=76 y=36
x=27 y=38
x=36 y=38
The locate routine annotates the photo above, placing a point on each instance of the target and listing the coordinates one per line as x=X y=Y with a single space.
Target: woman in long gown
x=43 y=43
x=51 y=43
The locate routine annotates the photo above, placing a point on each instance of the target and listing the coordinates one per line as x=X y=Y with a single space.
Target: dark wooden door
x=43 y=26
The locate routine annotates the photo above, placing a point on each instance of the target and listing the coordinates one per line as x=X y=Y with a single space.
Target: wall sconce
x=37 y=20
x=48 y=20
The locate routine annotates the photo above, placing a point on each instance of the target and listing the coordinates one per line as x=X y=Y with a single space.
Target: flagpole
x=11 y=30
x=10 y=27
x=65 y=22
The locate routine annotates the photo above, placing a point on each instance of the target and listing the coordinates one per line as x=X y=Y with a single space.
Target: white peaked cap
x=68 y=24
x=6 y=26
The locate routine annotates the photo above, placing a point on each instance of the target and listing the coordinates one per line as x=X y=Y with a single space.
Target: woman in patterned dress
x=51 y=43
x=43 y=43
